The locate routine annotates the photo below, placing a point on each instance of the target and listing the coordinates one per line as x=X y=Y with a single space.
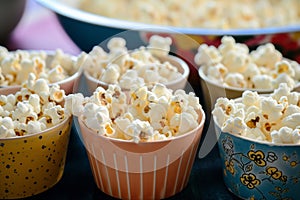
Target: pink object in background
x=39 y=29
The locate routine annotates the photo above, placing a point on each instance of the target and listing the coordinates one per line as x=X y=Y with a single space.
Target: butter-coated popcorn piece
x=56 y=94
x=284 y=66
x=217 y=72
x=55 y=114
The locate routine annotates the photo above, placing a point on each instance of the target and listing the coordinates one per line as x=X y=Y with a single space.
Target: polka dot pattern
x=32 y=164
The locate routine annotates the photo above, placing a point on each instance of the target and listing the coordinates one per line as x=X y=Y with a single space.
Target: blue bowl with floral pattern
x=259 y=170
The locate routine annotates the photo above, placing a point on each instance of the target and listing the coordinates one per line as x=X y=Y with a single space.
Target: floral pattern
x=261 y=173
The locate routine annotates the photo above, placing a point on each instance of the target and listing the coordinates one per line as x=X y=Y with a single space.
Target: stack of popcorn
x=33 y=109
x=15 y=67
x=132 y=68
x=220 y=14
x=274 y=118
x=232 y=64
x=149 y=114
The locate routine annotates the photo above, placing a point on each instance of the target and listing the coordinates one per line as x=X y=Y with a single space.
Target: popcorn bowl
x=259 y=170
x=259 y=148
x=180 y=83
x=32 y=164
x=145 y=170
x=68 y=84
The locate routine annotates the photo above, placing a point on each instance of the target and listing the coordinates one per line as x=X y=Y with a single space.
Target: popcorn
x=31 y=110
x=286 y=135
x=141 y=66
x=159 y=45
x=274 y=118
x=263 y=68
x=148 y=114
x=206 y=14
x=207 y=55
x=16 y=67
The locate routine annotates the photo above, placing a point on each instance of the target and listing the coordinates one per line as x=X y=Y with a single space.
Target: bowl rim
x=38 y=133
x=225 y=87
x=51 y=53
x=250 y=139
x=60 y=8
x=181 y=62
x=200 y=125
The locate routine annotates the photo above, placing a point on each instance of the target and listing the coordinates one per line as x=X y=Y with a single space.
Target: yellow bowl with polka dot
x=33 y=163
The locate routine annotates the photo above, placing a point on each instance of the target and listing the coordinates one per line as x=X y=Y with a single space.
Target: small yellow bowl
x=34 y=163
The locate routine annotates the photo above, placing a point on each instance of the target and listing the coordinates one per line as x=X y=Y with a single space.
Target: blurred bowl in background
x=180 y=83
x=87 y=30
x=11 y=12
